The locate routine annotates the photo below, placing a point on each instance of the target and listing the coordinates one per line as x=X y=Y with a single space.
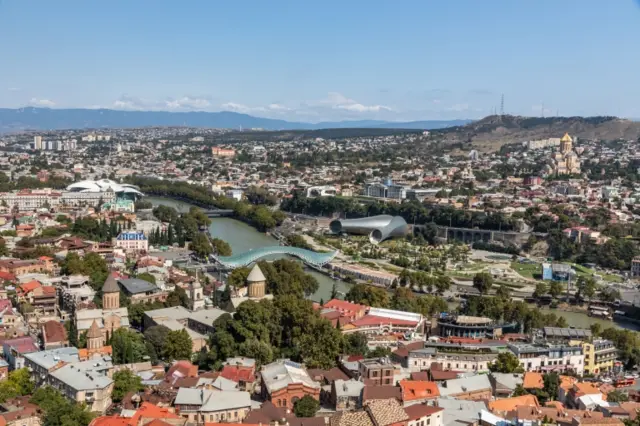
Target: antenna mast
x=502 y=106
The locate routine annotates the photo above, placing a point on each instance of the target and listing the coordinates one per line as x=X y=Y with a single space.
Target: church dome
x=256 y=275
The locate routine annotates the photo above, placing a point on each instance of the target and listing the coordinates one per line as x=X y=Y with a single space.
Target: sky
x=326 y=60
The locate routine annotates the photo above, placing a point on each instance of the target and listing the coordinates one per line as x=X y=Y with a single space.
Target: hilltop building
x=566 y=161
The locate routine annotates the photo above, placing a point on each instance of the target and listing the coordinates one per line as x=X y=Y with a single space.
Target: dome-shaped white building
x=121 y=190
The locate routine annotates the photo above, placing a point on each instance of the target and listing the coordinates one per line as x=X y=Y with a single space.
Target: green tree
x=256 y=349
x=355 y=344
x=200 y=246
x=221 y=247
x=128 y=346
x=307 y=406
x=146 y=277
x=178 y=345
x=555 y=289
x=321 y=344
x=520 y=391
x=125 y=381
x=60 y=411
x=506 y=362
x=334 y=291
x=541 y=290
x=483 y=281
x=586 y=288
x=503 y=292
x=238 y=277
x=551 y=384
x=156 y=337
x=17 y=384
x=178 y=297
x=617 y=396
x=368 y=295
x=596 y=329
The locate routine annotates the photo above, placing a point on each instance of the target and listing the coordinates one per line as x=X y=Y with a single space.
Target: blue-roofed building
x=132 y=241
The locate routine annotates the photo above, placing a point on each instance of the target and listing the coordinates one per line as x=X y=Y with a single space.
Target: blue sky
x=310 y=60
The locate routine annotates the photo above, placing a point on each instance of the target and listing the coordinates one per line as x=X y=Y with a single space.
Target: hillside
x=15 y=120
x=492 y=132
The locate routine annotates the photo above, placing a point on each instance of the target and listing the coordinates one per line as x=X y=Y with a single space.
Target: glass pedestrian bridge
x=248 y=257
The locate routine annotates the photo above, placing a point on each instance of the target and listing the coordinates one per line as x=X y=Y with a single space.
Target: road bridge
x=218 y=212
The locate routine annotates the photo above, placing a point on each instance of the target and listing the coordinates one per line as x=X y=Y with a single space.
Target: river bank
x=242 y=237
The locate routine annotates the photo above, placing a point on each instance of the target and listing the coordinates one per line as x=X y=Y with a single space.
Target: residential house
x=504 y=384
x=15 y=349
x=20 y=411
x=346 y=394
x=469 y=388
x=203 y=405
x=284 y=382
x=54 y=335
x=376 y=371
x=418 y=391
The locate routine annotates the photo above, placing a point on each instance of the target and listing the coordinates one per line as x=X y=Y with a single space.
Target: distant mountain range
x=13 y=120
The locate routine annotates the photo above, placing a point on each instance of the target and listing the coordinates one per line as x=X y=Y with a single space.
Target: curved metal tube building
x=378 y=228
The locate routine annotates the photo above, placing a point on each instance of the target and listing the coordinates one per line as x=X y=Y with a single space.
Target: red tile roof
x=421 y=410
x=23 y=345
x=6 y=276
x=376 y=320
x=343 y=305
x=53 y=331
x=238 y=374
x=413 y=390
x=183 y=369
x=30 y=286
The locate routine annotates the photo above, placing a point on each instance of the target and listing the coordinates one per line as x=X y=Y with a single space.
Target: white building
x=549 y=358
x=132 y=241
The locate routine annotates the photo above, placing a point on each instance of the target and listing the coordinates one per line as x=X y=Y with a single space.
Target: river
x=242 y=237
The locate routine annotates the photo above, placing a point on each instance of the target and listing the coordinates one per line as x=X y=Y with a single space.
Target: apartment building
x=85 y=382
x=132 y=241
x=205 y=405
x=599 y=356
x=378 y=371
x=549 y=358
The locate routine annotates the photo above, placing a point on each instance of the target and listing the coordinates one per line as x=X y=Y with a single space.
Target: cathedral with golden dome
x=566 y=161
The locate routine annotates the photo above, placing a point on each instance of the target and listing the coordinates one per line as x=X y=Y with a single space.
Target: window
x=428 y=420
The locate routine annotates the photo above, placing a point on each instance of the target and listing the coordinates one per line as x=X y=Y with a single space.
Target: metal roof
x=566 y=332
x=136 y=285
x=248 y=257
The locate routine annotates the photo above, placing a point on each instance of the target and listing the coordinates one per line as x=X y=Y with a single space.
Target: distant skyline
x=327 y=60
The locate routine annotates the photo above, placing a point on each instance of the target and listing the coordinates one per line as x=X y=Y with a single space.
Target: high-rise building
x=37 y=142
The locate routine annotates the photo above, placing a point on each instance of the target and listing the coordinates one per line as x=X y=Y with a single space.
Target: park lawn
x=588 y=272
x=527 y=270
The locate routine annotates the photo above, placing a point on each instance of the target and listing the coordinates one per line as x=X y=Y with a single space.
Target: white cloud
x=13 y=89
x=128 y=103
x=244 y=109
x=188 y=103
x=339 y=101
x=278 y=107
x=42 y=102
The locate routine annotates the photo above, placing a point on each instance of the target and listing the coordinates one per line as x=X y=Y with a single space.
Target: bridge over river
x=248 y=257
